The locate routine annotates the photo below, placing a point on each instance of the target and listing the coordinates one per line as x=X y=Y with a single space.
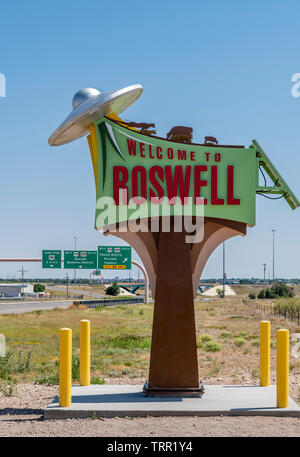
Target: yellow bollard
x=65 y=367
x=282 y=368
x=84 y=352
x=265 y=353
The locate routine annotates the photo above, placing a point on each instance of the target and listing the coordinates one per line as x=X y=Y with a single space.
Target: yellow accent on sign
x=115 y=267
x=282 y=368
x=116 y=118
x=265 y=353
x=92 y=140
x=65 y=367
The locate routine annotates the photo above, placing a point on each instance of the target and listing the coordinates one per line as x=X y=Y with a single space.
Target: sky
x=224 y=68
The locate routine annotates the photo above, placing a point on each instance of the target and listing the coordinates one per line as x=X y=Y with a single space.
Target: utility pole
x=22 y=289
x=75 y=239
x=224 y=274
x=264 y=293
x=273 y=254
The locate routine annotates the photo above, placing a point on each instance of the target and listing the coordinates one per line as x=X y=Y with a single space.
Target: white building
x=15 y=290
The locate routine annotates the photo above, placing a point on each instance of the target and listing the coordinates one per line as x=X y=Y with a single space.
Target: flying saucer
x=89 y=105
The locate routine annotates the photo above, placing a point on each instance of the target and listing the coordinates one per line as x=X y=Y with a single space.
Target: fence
x=109 y=302
x=274 y=310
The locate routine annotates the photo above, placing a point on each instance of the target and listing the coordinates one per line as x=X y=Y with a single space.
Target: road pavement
x=28 y=306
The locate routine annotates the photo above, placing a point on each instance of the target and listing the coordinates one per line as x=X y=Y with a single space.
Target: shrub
x=239 y=341
x=95 y=380
x=220 y=292
x=278 y=290
x=288 y=307
x=212 y=346
x=114 y=289
x=252 y=296
x=39 y=288
x=127 y=341
x=256 y=343
x=15 y=362
x=204 y=338
x=8 y=387
x=49 y=380
x=75 y=368
x=225 y=335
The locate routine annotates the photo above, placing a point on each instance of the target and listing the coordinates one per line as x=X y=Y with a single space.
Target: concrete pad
x=124 y=400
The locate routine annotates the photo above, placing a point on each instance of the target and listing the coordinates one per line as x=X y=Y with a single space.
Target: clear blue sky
x=222 y=67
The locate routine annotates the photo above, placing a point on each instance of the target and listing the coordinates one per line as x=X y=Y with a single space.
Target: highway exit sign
x=51 y=259
x=80 y=259
x=114 y=257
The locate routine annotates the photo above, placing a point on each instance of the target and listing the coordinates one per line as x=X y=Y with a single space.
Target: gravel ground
x=22 y=415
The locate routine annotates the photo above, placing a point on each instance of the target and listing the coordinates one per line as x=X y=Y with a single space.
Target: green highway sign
x=51 y=259
x=80 y=259
x=114 y=257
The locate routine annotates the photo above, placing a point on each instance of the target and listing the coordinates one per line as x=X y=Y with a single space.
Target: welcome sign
x=139 y=176
x=140 y=173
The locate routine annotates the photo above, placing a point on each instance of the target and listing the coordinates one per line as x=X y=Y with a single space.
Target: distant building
x=15 y=290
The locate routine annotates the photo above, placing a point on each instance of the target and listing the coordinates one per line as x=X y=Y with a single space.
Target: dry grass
x=227 y=340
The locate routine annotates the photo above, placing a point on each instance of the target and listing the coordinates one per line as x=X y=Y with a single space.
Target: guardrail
x=109 y=302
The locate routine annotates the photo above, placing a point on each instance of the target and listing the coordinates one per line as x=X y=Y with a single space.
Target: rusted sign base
x=173 y=362
x=169 y=392
x=174 y=268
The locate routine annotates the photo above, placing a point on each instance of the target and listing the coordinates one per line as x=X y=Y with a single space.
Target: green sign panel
x=80 y=259
x=51 y=259
x=114 y=257
x=157 y=177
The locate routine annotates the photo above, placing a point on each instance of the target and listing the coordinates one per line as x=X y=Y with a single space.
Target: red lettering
x=150 y=152
x=119 y=183
x=178 y=181
x=160 y=191
x=158 y=152
x=207 y=156
x=131 y=147
x=142 y=149
x=198 y=183
x=139 y=197
x=193 y=156
x=214 y=187
x=170 y=153
x=181 y=155
x=217 y=157
x=230 y=199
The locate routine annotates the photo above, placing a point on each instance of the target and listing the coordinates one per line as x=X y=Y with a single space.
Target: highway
x=20 y=307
